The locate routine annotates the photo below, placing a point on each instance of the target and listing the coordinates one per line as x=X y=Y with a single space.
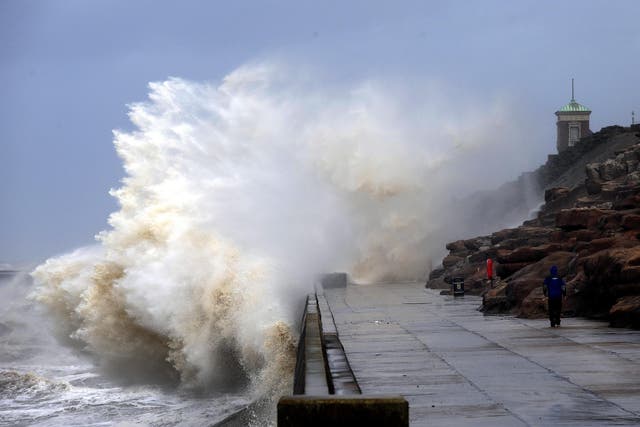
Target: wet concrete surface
x=457 y=367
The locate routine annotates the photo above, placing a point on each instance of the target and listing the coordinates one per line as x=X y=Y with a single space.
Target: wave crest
x=21 y=386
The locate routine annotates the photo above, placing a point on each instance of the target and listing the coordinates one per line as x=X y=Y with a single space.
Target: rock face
x=590 y=231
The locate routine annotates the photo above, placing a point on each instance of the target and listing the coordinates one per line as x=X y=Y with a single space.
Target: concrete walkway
x=457 y=367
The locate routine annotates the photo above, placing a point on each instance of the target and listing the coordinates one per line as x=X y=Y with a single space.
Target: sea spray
x=236 y=197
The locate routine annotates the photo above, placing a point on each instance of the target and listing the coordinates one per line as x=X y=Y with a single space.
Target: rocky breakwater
x=591 y=232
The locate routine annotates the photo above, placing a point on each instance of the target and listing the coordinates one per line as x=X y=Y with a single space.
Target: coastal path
x=457 y=367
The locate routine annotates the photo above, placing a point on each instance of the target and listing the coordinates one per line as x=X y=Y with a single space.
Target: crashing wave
x=235 y=197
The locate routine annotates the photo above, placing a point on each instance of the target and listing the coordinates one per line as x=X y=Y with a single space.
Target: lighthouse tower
x=572 y=124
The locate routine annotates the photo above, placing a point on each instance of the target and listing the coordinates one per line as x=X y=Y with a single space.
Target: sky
x=68 y=70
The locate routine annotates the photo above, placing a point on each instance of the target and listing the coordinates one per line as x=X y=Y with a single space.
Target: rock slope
x=589 y=228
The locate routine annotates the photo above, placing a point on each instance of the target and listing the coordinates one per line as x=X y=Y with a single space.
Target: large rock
x=587 y=235
x=553 y=194
x=608 y=275
x=633 y=178
x=606 y=267
x=451 y=260
x=593 y=183
x=595 y=245
x=592 y=171
x=438 y=283
x=627 y=202
x=478 y=243
x=631 y=222
x=527 y=254
x=574 y=219
x=483 y=254
x=436 y=273
x=528 y=234
x=495 y=300
x=505 y=270
x=612 y=169
x=534 y=305
x=626 y=312
x=457 y=246
x=520 y=284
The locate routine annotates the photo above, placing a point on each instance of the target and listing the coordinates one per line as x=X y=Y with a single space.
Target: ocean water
x=46 y=383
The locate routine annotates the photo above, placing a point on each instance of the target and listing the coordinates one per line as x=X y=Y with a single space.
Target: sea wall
x=325 y=390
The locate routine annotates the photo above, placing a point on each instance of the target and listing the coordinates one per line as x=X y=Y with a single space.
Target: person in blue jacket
x=554 y=288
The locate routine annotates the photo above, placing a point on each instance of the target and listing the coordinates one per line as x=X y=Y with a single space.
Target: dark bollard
x=334 y=280
x=457 y=287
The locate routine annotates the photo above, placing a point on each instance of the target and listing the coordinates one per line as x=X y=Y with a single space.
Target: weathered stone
x=501 y=235
x=477 y=243
x=630 y=156
x=460 y=270
x=511 y=244
x=603 y=273
x=517 y=290
x=625 y=289
x=456 y=246
x=495 y=299
x=630 y=202
x=574 y=219
x=438 y=283
x=626 y=312
x=436 y=272
x=534 y=305
x=610 y=221
x=592 y=186
x=451 y=260
x=558 y=236
x=527 y=254
x=477 y=282
x=553 y=194
x=593 y=183
x=632 y=177
x=505 y=270
x=595 y=245
x=523 y=233
x=630 y=274
x=483 y=255
x=540 y=269
x=591 y=170
x=634 y=258
x=600 y=264
x=586 y=235
x=631 y=222
x=520 y=284
x=611 y=169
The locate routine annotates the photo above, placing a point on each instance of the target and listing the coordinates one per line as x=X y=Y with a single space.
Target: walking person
x=555 y=289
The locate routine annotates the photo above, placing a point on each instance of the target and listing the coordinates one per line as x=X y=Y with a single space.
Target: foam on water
x=45 y=384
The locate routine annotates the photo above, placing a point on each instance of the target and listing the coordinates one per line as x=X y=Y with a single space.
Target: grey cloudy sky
x=69 y=68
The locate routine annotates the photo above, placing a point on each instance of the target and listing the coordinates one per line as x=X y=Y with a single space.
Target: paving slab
x=457 y=367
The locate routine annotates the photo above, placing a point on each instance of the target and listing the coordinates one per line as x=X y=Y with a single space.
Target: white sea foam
x=237 y=195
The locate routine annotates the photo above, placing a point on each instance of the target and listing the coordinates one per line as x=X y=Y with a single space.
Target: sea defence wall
x=325 y=391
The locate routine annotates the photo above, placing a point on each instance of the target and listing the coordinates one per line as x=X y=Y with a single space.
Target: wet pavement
x=457 y=367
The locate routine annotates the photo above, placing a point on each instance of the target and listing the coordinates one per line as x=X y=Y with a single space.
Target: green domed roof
x=572 y=107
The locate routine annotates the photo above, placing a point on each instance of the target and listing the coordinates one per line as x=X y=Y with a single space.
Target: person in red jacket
x=554 y=288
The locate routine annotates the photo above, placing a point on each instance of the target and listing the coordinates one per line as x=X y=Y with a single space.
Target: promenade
x=457 y=367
